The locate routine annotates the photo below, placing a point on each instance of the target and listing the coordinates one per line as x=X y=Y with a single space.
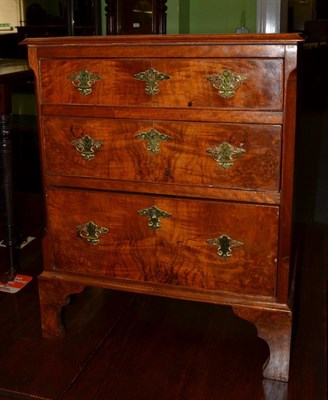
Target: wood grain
x=175 y=254
x=250 y=203
x=188 y=85
x=182 y=159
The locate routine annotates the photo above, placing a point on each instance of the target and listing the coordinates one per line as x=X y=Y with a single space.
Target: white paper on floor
x=17 y=284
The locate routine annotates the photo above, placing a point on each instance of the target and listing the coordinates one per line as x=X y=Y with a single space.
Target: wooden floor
x=122 y=346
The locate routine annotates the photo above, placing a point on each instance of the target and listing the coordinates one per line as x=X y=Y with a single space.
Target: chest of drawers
x=168 y=170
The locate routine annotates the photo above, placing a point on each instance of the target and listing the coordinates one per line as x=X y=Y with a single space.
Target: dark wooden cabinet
x=168 y=170
x=130 y=17
x=69 y=18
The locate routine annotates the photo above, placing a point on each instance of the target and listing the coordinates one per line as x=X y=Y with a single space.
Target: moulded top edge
x=191 y=39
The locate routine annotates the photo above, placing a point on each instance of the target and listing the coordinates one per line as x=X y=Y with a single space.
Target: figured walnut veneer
x=168 y=169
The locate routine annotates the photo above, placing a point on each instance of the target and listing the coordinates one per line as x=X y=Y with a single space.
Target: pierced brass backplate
x=87 y=147
x=225 y=154
x=226 y=83
x=153 y=139
x=225 y=245
x=154 y=214
x=90 y=231
x=84 y=81
x=151 y=76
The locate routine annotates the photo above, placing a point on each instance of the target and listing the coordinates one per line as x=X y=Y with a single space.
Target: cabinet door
x=135 y=17
x=73 y=18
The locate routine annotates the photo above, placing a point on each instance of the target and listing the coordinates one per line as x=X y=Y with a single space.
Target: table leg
x=10 y=239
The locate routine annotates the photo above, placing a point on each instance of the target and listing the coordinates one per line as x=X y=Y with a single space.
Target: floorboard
x=175 y=350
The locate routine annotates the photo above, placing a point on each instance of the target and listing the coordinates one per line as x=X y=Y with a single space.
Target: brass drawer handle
x=84 y=81
x=153 y=138
x=225 y=154
x=90 y=231
x=87 y=147
x=225 y=245
x=154 y=214
x=226 y=83
x=151 y=76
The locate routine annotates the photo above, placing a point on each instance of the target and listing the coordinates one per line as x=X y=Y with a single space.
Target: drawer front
x=236 y=83
x=204 y=154
x=197 y=244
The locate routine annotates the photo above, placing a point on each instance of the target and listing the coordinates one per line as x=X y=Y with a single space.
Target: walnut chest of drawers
x=168 y=170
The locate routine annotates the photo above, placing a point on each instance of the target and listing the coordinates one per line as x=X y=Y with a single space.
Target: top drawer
x=237 y=83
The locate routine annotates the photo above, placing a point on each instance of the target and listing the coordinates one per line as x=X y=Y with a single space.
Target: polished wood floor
x=122 y=346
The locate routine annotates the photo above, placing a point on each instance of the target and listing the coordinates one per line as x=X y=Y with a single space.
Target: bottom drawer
x=176 y=241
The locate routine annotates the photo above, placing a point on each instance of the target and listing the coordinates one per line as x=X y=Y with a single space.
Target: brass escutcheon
x=153 y=139
x=225 y=154
x=225 y=245
x=226 y=83
x=90 y=231
x=84 y=81
x=151 y=76
x=154 y=214
x=87 y=147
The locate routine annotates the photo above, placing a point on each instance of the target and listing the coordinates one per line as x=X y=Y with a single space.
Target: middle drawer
x=242 y=156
